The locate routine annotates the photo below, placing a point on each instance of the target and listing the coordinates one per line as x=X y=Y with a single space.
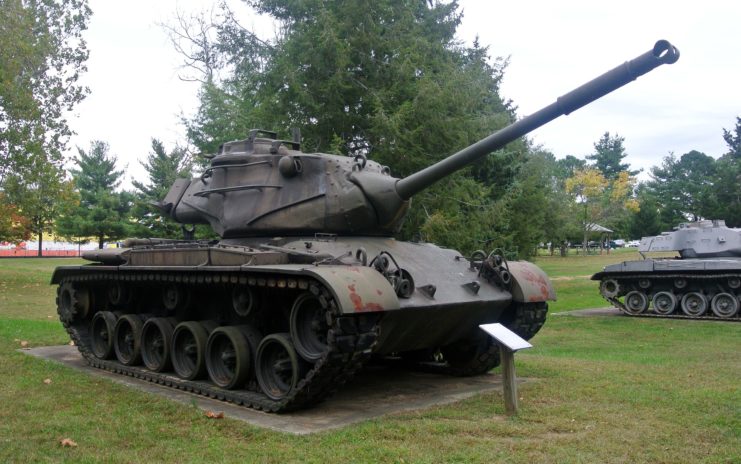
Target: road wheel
x=636 y=302
x=279 y=367
x=127 y=339
x=664 y=303
x=694 y=304
x=189 y=340
x=724 y=305
x=101 y=334
x=155 y=345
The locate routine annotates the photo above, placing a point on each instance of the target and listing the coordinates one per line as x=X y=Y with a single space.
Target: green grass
x=604 y=389
x=24 y=287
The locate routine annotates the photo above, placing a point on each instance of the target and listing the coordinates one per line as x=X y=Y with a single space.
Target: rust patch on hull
x=358 y=304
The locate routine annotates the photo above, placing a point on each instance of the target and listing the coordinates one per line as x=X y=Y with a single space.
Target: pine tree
x=162 y=170
x=102 y=212
x=608 y=156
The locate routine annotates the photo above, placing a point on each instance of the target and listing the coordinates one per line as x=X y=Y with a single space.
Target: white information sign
x=506 y=337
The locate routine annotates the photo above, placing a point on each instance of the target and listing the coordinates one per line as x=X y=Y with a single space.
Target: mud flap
x=357 y=289
x=529 y=283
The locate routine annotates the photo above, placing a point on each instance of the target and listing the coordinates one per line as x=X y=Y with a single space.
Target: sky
x=552 y=47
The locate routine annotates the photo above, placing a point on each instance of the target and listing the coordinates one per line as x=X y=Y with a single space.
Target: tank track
x=677 y=314
x=527 y=319
x=346 y=352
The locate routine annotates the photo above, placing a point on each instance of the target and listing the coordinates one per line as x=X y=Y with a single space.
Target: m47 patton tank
x=306 y=283
x=703 y=283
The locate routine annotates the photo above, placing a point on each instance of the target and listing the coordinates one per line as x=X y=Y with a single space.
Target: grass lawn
x=606 y=389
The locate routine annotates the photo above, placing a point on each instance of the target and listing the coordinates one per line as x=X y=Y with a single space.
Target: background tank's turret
x=264 y=186
x=702 y=239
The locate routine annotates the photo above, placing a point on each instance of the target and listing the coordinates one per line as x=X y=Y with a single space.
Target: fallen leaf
x=71 y=343
x=67 y=442
x=24 y=344
x=47 y=381
x=214 y=415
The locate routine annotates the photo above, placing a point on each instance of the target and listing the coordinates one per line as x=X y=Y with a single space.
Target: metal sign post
x=509 y=342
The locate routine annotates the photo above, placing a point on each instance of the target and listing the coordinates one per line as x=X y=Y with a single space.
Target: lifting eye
x=289 y=166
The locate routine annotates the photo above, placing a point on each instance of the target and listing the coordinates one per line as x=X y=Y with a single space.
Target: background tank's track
x=677 y=314
x=345 y=354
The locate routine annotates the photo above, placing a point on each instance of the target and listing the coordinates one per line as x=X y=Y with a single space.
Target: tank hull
x=676 y=288
x=327 y=303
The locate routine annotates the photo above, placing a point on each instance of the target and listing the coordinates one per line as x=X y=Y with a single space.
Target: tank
x=306 y=283
x=703 y=282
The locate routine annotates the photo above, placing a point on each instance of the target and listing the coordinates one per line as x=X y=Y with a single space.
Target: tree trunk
x=585 y=243
x=41 y=238
x=100 y=242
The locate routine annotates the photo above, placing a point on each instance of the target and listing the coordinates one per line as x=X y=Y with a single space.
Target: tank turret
x=266 y=186
x=701 y=239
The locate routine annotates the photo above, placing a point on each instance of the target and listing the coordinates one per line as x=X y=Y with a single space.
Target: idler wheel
x=230 y=355
x=189 y=340
x=694 y=304
x=127 y=339
x=724 y=305
x=636 y=302
x=101 y=334
x=308 y=326
x=72 y=302
x=664 y=303
x=155 y=343
x=278 y=368
x=609 y=288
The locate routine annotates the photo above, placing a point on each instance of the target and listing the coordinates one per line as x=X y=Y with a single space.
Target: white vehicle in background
x=633 y=243
x=619 y=242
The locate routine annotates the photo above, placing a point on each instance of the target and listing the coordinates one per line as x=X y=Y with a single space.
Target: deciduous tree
x=601 y=199
x=42 y=54
x=40 y=192
x=14 y=227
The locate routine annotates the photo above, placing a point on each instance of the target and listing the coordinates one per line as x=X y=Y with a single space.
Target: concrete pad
x=375 y=392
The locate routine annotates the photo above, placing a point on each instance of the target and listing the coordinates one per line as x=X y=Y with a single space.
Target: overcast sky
x=552 y=47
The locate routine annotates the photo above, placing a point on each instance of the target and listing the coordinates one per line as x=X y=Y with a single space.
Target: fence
x=20 y=253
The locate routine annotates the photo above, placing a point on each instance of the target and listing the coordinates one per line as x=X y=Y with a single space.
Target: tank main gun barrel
x=662 y=53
